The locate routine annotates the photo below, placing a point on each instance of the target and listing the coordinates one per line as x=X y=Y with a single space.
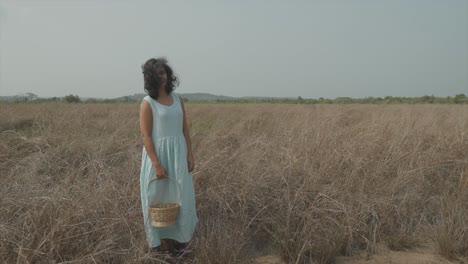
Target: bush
x=72 y=99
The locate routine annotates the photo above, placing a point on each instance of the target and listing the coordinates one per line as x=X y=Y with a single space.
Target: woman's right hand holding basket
x=161 y=172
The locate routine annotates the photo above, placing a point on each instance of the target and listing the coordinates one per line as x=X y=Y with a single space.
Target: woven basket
x=163 y=215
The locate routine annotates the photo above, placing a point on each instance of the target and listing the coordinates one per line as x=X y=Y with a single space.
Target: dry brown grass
x=305 y=182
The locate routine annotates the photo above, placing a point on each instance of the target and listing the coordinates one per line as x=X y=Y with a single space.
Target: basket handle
x=167 y=178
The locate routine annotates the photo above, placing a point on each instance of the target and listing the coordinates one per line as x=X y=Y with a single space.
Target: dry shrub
x=306 y=182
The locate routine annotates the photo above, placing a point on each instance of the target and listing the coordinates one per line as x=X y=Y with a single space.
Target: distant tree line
x=33 y=98
x=426 y=99
x=457 y=99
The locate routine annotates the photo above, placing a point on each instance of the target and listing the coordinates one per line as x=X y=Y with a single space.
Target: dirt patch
x=267 y=260
x=395 y=258
x=383 y=256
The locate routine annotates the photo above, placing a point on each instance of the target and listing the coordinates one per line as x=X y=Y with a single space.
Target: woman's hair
x=151 y=78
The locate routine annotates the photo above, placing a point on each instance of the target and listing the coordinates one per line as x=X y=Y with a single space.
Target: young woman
x=166 y=155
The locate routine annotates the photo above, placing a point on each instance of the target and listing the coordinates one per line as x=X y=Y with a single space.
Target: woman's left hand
x=191 y=163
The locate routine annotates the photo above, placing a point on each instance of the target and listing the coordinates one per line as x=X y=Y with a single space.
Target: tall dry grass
x=306 y=182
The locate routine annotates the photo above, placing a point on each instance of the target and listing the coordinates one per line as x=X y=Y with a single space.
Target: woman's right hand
x=161 y=172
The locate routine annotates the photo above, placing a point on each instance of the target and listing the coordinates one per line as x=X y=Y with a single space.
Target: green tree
x=72 y=98
x=460 y=99
x=31 y=96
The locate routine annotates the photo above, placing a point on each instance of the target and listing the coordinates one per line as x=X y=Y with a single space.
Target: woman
x=167 y=155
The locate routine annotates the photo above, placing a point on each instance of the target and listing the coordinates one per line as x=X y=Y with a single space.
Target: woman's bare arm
x=186 y=130
x=146 y=127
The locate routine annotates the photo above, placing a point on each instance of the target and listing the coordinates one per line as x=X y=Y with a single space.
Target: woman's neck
x=162 y=92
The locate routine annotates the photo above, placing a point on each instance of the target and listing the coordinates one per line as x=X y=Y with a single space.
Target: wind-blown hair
x=152 y=80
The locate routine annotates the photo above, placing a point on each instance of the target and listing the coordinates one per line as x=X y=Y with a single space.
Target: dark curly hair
x=152 y=80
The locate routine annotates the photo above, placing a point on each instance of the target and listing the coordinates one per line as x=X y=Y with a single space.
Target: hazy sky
x=312 y=49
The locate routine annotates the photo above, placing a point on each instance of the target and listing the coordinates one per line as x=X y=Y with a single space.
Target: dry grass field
x=274 y=183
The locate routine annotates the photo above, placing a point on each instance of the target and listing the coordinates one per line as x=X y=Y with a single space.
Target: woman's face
x=161 y=73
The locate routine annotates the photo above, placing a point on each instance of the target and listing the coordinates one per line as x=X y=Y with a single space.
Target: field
x=274 y=183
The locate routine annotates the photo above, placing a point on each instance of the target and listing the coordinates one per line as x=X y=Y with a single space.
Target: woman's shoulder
x=147 y=98
x=178 y=96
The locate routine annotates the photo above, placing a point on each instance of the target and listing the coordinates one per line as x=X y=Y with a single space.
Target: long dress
x=171 y=148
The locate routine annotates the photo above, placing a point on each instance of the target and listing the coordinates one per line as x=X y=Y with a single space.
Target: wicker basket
x=163 y=215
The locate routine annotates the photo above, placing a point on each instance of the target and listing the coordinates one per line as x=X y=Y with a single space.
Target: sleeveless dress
x=171 y=148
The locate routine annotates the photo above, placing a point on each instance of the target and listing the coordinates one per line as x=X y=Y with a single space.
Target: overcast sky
x=310 y=48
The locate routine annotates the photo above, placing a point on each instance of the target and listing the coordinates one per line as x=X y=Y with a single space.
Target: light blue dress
x=171 y=148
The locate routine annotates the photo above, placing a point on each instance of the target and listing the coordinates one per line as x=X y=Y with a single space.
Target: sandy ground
x=383 y=256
